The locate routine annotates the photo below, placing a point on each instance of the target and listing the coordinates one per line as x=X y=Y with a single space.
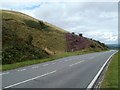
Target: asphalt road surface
x=69 y=72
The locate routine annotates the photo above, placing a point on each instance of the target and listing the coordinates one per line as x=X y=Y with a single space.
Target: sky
x=96 y=20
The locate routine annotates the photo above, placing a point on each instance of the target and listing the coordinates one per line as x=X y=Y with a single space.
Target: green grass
x=17 y=27
x=25 y=38
x=31 y=62
x=111 y=76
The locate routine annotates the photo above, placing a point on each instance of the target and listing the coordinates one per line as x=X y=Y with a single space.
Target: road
x=69 y=72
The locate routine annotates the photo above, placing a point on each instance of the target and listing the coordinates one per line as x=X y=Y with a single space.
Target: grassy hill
x=26 y=38
x=75 y=43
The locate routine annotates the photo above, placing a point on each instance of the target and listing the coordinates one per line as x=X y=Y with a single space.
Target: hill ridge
x=26 y=38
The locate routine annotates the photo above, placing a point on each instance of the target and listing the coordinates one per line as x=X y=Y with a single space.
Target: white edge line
x=99 y=72
x=29 y=79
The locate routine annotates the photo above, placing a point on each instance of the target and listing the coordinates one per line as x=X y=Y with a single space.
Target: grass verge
x=31 y=62
x=111 y=76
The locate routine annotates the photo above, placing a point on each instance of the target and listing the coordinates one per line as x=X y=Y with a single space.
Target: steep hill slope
x=26 y=38
x=75 y=42
x=22 y=34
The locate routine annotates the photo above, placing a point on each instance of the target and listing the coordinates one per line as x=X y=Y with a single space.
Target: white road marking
x=70 y=59
x=60 y=61
x=91 y=57
x=45 y=64
x=99 y=72
x=4 y=73
x=75 y=63
x=66 y=60
x=52 y=61
x=35 y=67
x=30 y=79
x=21 y=70
x=77 y=58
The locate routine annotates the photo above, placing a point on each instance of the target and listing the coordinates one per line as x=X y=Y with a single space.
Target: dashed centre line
x=35 y=67
x=30 y=79
x=45 y=64
x=91 y=57
x=4 y=73
x=76 y=63
x=70 y=59
x=21 y=70
x=60 y=61
x=66 y=60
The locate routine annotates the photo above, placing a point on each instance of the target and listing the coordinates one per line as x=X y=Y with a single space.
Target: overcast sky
x=97 y=20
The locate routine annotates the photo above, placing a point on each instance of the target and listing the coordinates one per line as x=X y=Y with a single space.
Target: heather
x=25 y=38
x=75 y=42
x=78 y=42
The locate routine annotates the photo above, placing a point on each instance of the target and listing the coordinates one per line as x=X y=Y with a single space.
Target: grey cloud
x=81 y=17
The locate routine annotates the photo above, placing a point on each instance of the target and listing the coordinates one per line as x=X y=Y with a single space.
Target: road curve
x=69 y=72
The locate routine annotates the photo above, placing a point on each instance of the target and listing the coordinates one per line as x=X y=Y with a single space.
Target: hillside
x=75 y=43
x=26 y=38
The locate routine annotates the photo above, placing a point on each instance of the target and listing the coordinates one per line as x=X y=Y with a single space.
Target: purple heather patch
x=75 y=42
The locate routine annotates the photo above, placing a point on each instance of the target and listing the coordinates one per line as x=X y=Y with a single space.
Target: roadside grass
x=26 y=38
x=111 y=76
x=27 y=41
x=31 y=62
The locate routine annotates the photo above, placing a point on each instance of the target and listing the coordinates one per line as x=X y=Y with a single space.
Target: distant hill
x=26 y=38
x=114 y=46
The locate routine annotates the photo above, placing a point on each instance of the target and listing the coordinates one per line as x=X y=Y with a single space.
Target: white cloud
x=96 y=20
x=107 y=37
